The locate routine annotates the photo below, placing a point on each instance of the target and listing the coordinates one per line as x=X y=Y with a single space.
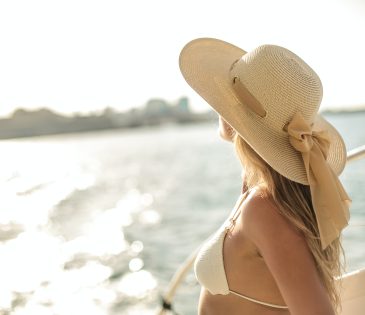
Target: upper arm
x=287 y=256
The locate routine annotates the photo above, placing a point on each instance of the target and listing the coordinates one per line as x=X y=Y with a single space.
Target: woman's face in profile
x=225 y=130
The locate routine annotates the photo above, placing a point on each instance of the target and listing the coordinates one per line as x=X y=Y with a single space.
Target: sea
x=97 y=223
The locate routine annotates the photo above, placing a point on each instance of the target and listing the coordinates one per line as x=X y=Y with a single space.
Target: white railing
x=356 y=154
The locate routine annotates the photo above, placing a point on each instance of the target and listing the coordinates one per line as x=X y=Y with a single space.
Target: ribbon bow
x=330 y=200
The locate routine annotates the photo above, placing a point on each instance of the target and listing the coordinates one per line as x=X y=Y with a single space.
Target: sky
x=79 y=56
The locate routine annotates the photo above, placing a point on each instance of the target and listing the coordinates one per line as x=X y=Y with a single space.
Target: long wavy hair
x=295 y=203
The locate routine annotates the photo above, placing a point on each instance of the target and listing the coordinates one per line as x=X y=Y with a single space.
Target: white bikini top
x=209 y=265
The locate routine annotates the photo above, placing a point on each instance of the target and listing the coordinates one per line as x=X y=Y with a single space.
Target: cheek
x=221 y=130
x=226 y=130
x=223 y=133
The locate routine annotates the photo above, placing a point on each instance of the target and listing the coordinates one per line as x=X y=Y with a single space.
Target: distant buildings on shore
x=25 y=123
x=348 y=110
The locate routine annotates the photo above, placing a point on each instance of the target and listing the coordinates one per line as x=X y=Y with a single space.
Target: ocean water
x=97 y=223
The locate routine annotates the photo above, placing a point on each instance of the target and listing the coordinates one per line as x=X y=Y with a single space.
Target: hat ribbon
x=330 y=200
x=246 y=97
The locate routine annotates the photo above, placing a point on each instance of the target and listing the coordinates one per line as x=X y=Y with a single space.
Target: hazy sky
x=79 y=56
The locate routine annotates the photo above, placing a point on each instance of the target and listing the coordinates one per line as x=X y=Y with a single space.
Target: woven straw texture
x=280 y=80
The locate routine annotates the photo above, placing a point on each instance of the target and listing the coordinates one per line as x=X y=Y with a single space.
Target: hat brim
x=205 y=65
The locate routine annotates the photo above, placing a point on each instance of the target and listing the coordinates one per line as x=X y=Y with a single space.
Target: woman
x=279 y=250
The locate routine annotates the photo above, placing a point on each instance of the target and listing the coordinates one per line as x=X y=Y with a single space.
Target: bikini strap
x=259 y=302
x=233 y=218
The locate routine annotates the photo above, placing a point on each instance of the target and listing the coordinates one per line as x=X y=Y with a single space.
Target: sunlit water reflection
x=97 y=223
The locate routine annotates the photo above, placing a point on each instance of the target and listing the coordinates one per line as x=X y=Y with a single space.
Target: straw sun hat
x=275 y=77
x=271 y=97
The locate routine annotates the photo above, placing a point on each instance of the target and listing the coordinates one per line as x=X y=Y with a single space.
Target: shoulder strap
x=238 y=204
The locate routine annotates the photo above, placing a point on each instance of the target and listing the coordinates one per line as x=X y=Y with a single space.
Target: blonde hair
x=295 y=203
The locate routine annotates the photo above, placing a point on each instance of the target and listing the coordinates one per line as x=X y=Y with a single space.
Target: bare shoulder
x=262 y=221
x=287 y=256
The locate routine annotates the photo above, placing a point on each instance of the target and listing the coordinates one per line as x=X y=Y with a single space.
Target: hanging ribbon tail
x=331 y=219
x=329 y=198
